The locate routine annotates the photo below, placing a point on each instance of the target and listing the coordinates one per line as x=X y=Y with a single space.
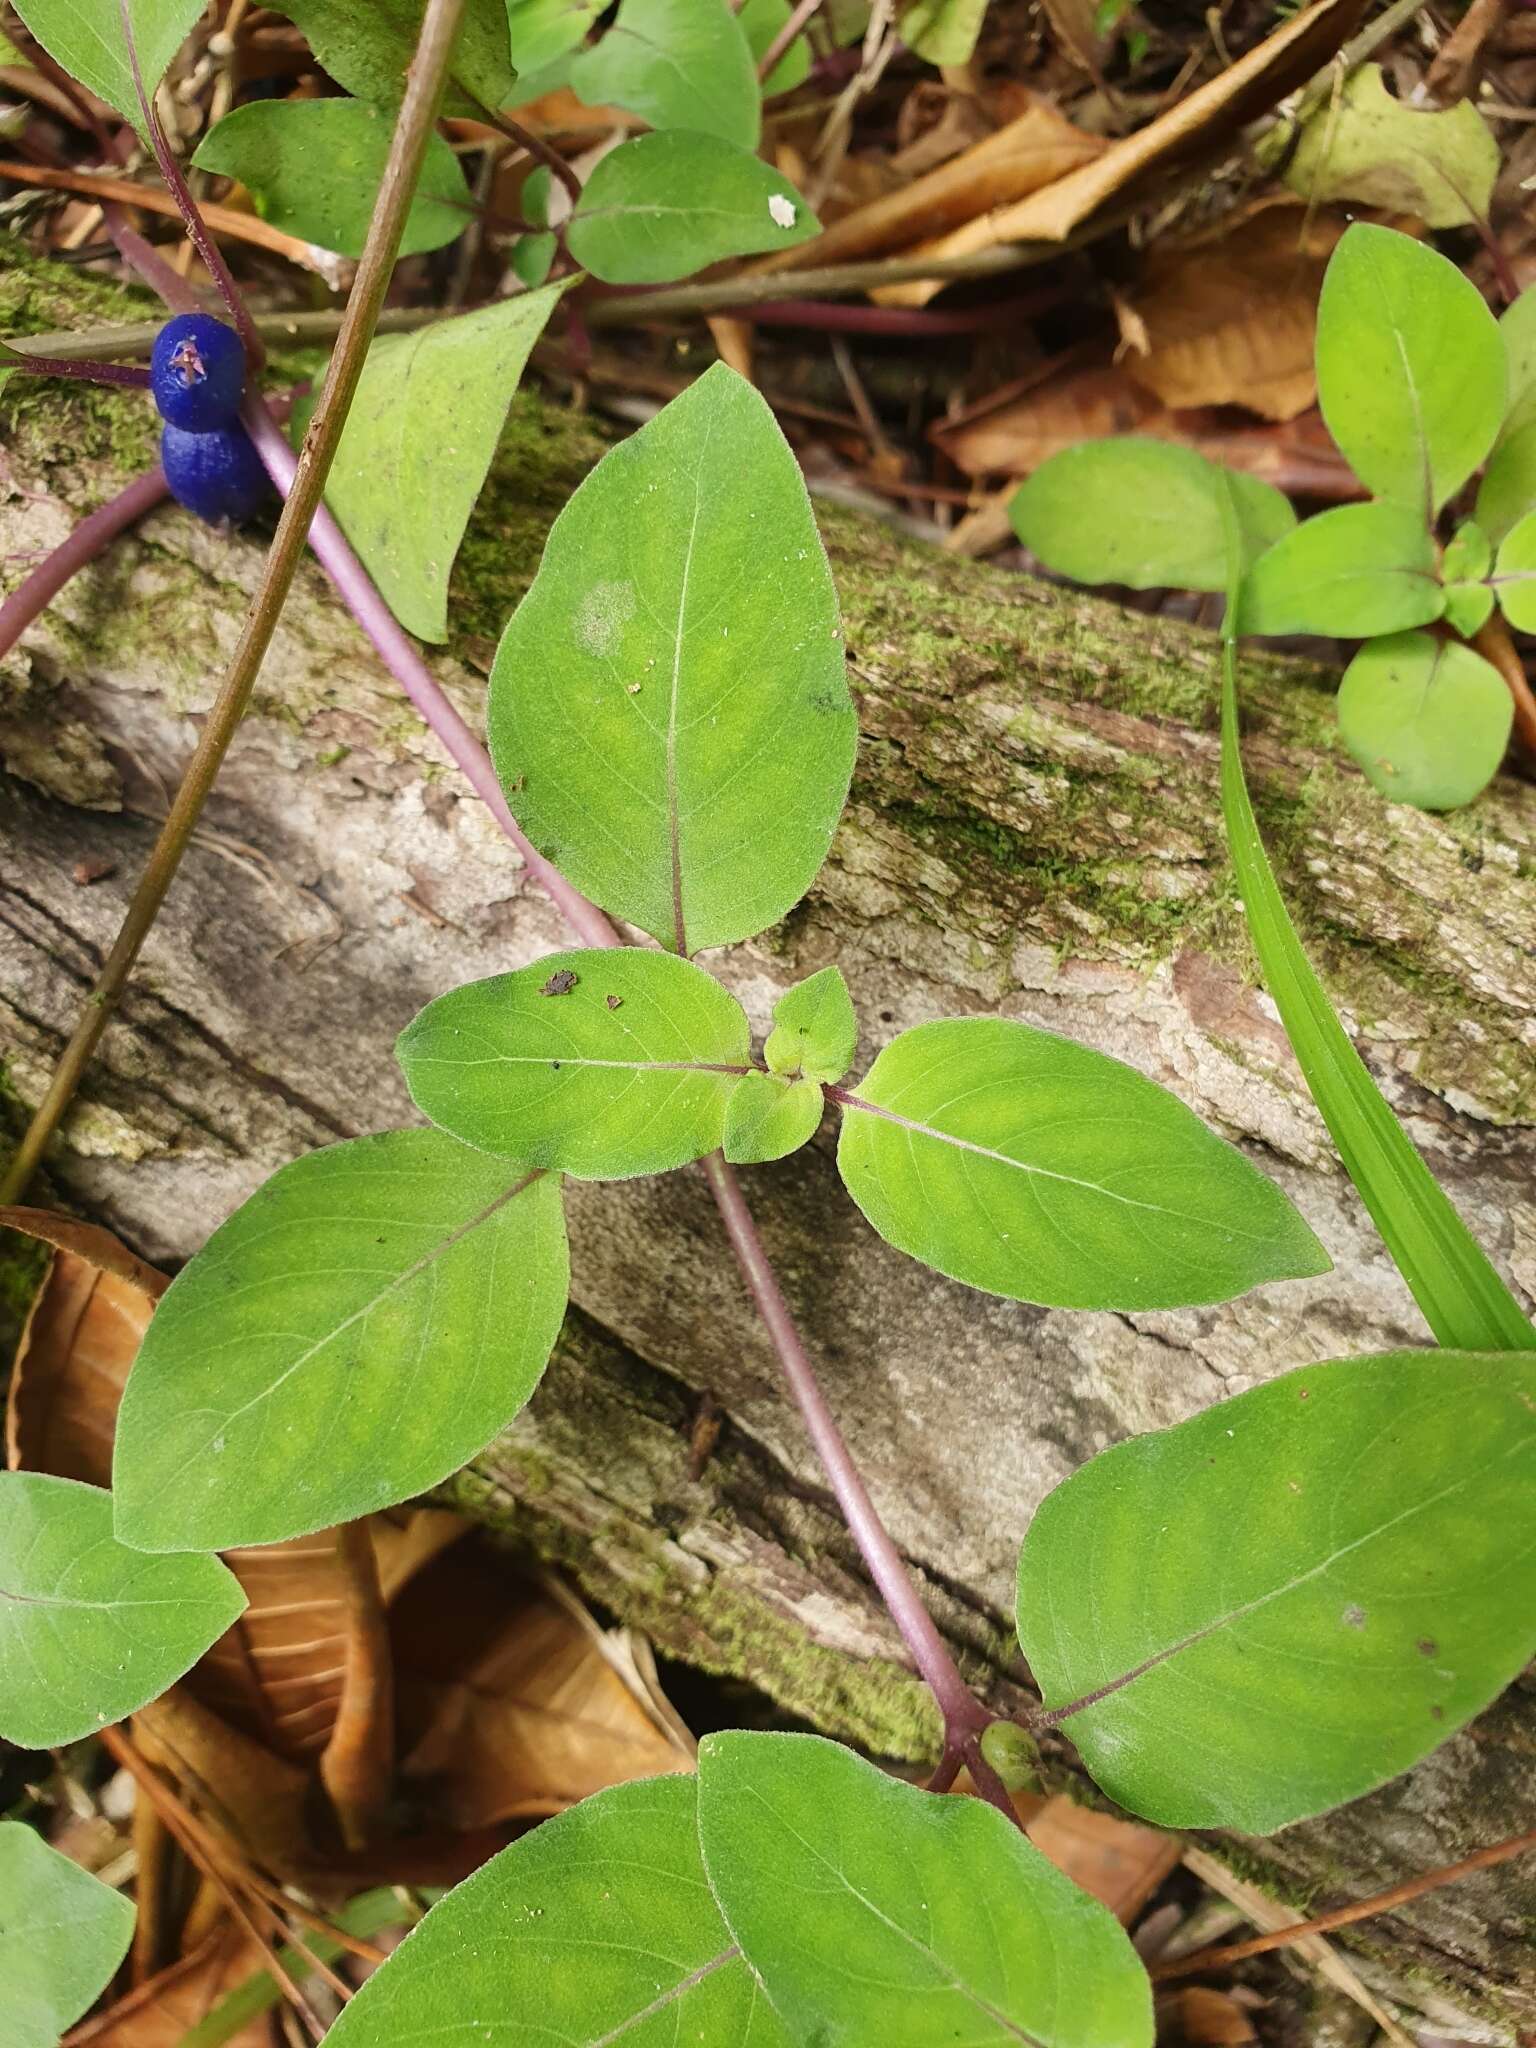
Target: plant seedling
x=1421 y=388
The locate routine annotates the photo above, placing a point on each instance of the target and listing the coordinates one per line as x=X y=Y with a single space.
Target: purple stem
x=964 y=1716
x=835 y=318
x=132 y=375
x=355 y=588
x=90 y=538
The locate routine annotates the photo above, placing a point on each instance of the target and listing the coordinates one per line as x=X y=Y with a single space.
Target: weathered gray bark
x=1034 y=831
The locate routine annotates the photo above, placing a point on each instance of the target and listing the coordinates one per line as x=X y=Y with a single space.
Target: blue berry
x=217 y=475
x=197 y=372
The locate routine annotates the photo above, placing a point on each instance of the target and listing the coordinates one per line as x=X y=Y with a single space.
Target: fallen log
x=1034 y=830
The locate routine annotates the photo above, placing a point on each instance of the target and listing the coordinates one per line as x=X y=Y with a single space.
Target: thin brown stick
x=223 y=220
x=357 y=1765
x=1494 y=644
x=1346 y=1916
x=786 y=35
x=123 y=1750
x=413 y=131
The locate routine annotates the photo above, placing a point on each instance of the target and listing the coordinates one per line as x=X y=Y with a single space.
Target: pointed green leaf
x=1411 y=372
x=360 y=1327
x=367 y=47
x=314 y=167
x=418 y=441
x=86 y=37
x=678 y=64
x=1461 y=1297
x=1031 y=1167
x=1508 y=488
x=767 y=1118
x=1514 y=579
x=669 y=710
x=90 y=1630
x=874 y=1912
x=596 y=1927
x=761 y=20
x=1363 y=144
x=62 y=1935
x=542 y=31
x=1518 y=327
x=603 y=1064
x=1381 y=1594
x=1427 y=720
x=668 y=204
x=815 y=1031
x=1356 y=570
x=1144 y=513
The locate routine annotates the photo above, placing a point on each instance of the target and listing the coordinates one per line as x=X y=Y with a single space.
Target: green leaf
x=1380 y=1595
x=367 y=47
x=532 y=258
x=542 y=31
x=86 y=37
x=1034 y=1168
x=1518 y=328
x=942 y=31
x=1141 y=512
x=761 y=21
x=602 y=1064
x=1468 y=608
x=62 y=1935
x=1462 y=1298
x=1427 y=720
x=596 y=1927
x=1363 y=144
x=1508 y=488
x=669 y=710
x=1356 y=570
x=665 y=205
x=418 y=442
x=678 y=64
x=1468 y=554
x=766 y=1118
x=815 y=1031
x=314 y=167
x=366 y=1322
x=90 y=1630
x=1515 y=577
x=875 y=1912
x=1411 y=369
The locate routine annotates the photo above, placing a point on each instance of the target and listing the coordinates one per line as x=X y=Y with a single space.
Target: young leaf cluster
x=1421 y=388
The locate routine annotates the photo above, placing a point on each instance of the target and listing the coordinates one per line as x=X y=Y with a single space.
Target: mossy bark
x=1034 y=831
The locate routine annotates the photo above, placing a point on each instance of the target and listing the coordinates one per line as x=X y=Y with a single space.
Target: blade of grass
x=1462 y=1298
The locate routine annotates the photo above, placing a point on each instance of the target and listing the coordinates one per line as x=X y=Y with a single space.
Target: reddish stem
x=91 y=537
x=133 y=376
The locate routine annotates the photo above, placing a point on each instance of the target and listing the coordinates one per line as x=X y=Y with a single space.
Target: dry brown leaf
x=1116 y=1861
x=1298 y=456
x=1231 y=319
x=1191 y=133
x=161 y=2010
x=1459 y=61
x=1039 y=147
x=506 y=1706
x=259 y=1801
x=1201 y=2018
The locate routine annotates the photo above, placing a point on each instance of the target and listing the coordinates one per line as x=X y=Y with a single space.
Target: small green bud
x=1011 y=1753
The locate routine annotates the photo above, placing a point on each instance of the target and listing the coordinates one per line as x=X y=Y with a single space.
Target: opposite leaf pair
x=792 y=1894
x=1420 y=387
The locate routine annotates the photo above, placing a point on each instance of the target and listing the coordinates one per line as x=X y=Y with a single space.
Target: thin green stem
x=413 y=131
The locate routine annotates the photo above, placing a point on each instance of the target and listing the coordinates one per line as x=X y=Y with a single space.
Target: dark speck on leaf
x=614 y=1002
x=560 y=984
x=1437 y=1713
x=555 y=1064
x=1428 y=1647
